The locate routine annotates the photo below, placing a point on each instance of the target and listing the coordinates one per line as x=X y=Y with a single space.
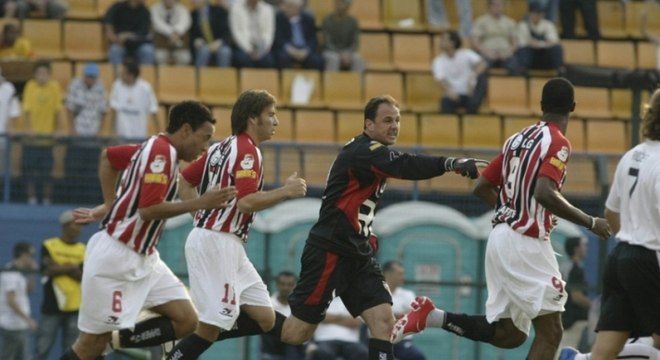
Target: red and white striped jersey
x=149 y=178
x=234 y=161
x=539 y=150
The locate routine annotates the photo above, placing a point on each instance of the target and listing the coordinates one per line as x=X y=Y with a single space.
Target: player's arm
x=51 y=269
x=487 y=188
x=187 y=191
x=614 y=219
x=294 y=187
x=10 y=297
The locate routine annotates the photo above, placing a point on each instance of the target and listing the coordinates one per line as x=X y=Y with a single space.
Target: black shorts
x=357 y=280
x=631 y=291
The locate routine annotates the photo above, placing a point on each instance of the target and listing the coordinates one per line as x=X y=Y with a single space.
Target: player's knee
x=267 y=323
x=296 y=335
x=186 y=325
x=381 y=327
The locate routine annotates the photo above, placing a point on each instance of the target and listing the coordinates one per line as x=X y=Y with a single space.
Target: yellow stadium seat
x=288 y=77
x=45 y=36
x=576 y=135
x=376 y=50
x=222 y=117
x=148 y=74
x=342 y=90
x=611 y=19
x=422 y=92
x=316 y=165
x=403 y=15
x=481 y=131
x=619 y=54
x=513 y=124
x=581 y=178
x=609 y=136
x=83 y=40
x=218 y=86
x=408 y=130
x=621 y=103
x=349 y=125
x=176 y=83
x=647 y=55
x=266 y=79
x=368 y=13
x=508 y=95
x=284 y=129
x=535 y=91
x=314 y=126
x=106 y=73
x=635 y=11
x=103 y=6
x=161 y=115
x=579 y=52
x=377 y=83
x=592 y=102
x=439 y=131
x=320 y=9
x=516 y=9
x=82 y=9
x=62 y=72
x=411 y=52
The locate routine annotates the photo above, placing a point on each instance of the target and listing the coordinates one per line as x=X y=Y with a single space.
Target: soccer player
x=123 y=272
x=630 y=304
x=525 y=287
x=225 y=287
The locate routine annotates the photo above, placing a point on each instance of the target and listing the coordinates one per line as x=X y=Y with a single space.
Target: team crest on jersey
x=516 y=142
x=215 y=158
x=562 y=154
x=247 y=162
x=158 y=164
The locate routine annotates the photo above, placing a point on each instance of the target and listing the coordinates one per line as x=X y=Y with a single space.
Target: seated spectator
x=210 y=34
x=338 y=335
x=128 y=28
x=495 y=38
x=272 y=348
x=8 y=8
x=341 y=39
x=132 y=100
x=539 y=42
x=51 y=9
x=171 y=22
x=589 y=13
x=461 y=74
x=549 y=8
x=295 y=37
x=252 y=24
x=12 y=45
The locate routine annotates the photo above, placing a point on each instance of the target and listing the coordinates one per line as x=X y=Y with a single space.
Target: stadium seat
x=222 y=117
x=401 y=15
x=377 y=83
x=349 y=125
x=62 y=72
x=376 y=50
x=176 y=83
x=314 y=126
x=621 y=103
x=280 y=162
x=284 y=129
x=148 y=74
x=508 y=95
x=288 y=76
x=316 y=164
x=535 y=91
x=618 y=54
x=592 y=102
x=481 y=131
x=611 y=19
x=607 y=136
x=320 y=9
x=106 y=73
x=45 y=36
x=448 y=182
x=342 y=90
x=581 y=179
x=411 y=52
x=408 y=130
x=634 y=11
x=439 y=131
x=162 y=120
x=513 y=124
x=103 y=6
x=267 y=79
x=218 y=86
x=422 y=92
x=579 y=52
x=82 y=9
x=576 y=135
x=647 y=55
x=368 y=13
x=83 y=40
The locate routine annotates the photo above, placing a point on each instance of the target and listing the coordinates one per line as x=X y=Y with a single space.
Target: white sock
x=582 y=357
x=639 y=351
x=436 y=318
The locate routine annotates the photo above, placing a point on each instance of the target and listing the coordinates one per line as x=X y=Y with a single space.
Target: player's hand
x=373 y=243
x=601 y=228
x=217 y=197
x=466 y=167
x=87 y=215
x=295 y=186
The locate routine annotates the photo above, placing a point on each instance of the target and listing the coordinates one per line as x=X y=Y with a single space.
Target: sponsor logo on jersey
x=158 y=164
x=247 y=162
x=146 y=335
x=240 y=174
x=557 y=163
x=155 y=179
x=226 y=312
x=112 y=320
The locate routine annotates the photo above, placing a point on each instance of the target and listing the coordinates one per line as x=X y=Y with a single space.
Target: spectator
x=12 y=45
x=132 y=100
x=42 y=109
x=461 y=74
x=171 y=22
x=495 y=38
x=271 y=347
x=436 y=14
x=401 y=300
x=549 y=8
x=8 y=8
x=210 y=34
x=574 y=318
x=61 y=264
x=252 y=24
x=539 y=42
x=589 y=18
x=338 y=335
x=52 y=9
x=10 y=110
x=86 y=102
x=128 y=28
x=295 y=37
x=15 y=319
x=341 y=39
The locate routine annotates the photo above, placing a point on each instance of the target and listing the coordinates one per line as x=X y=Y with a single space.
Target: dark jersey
x=356 y=181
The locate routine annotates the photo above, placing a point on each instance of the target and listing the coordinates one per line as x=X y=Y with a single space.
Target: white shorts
x=118 y=283
x=222 y=278
x=523 y=278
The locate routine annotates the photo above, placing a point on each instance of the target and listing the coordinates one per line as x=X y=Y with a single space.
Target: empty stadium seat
x=148 y=74
x=422 y=92
x=320 y=9
x=267 y=79
x=83 y=40
x=647 y=55
x=45 y=36
x=368 y=13
x=619 y=54
x=408 y=130
x=403 y=15
x=581 y=177
x=607 y=136
x=592 y=102
x=222 y=117
x=218 y=86
x=513 y=124
x=634 y=11
x=439 y=131
x=508 y=95
x=611 y=19
x=377 y=83
x=376 y=50
x=411 y=52
x=62 y=72
x=579 y=52
x=288 y=78
x=481 y=131
x=343 y=90
x=176 y=83
x=82 y=9
x=316 y=163
x=284 y=129
x=621 y=100
x=314 y=126
x=349 y=124
x=535 y=90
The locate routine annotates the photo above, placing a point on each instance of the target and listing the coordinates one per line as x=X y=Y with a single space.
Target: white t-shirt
x=327 y=332
x=284 y=309
x=458 y=70
x=13 y=281
x=635 y=195
x=9 y=105
x=133 y=105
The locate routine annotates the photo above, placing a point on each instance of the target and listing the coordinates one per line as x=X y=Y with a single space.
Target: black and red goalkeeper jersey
x=356 y=181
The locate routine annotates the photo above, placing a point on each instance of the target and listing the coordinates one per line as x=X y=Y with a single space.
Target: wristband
x=449 y=164
x=593 y=223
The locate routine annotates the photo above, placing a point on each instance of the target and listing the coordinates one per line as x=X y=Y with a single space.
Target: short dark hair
x=651 y=119
x=285 y=273
x=571 y=244
x=188 y=112
x=389 y=265
x=22 y=247
x=371 y=108
x=42 y=64
x=455 y=39
x=558 y=96
x=132 y=67
x=249 y=104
